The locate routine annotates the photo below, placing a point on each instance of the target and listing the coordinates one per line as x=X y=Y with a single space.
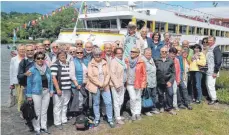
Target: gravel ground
x=12 y=124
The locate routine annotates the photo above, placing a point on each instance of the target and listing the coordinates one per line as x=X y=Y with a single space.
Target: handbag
x=147 y=102
x=12 y=99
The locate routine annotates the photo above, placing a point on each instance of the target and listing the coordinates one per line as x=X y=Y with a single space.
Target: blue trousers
x=108 y=104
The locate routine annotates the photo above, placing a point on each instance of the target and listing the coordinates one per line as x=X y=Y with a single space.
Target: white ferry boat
x=109 y=24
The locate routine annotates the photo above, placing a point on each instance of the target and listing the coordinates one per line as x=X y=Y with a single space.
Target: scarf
x=122 y=62
x=133 y=62
x=41 y=69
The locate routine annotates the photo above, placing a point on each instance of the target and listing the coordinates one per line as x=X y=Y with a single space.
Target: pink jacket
x=177 y=70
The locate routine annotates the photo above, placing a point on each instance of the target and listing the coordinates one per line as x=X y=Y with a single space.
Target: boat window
x=160 y=26
x=140 y=24
x=182 y=29
x=172 y=28
x=124 y=22
x=198 y=31
x=217 y=33
x=205 y=32
x=113 y=24
x=104 y=24
x=222 y=33
x=191 y=30
x=149 y=26
x=211 y=32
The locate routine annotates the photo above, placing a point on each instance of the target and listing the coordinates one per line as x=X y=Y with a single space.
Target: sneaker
x=122 y=118
x=120 y=122
x=182 y=107
x=60 y=127
x=96 y=123
x=133 y=118
x=45 y=131
x=112 y=124
x=155 y=112
x=21 y=116
x=189 y=107
x=162 y=110
x=172 y=112
x=198 y=102
x=212 y=102
x=176 y=108
x=37 y=133
x=138 y=116
x=148 y=114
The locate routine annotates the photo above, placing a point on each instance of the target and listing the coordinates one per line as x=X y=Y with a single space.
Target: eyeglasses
x=40 y=58
x=205 y=42
x=97 y=55
x=79 y=52
x=55 y=47
x=133 y=52
x=164 y=51
x=72 y=52
x=46 y=44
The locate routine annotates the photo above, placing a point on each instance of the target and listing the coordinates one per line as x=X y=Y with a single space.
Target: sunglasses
x=29 y=50
x=72 y=52
x=46 y=44
x=79 y=44
x=164 y=51
x=205 y=42
x=55 y=47
x=133 y=52
x=40 y=58
x=79 y=52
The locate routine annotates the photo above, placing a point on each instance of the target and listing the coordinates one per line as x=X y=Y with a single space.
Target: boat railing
x=91 y=30
x=109 y=9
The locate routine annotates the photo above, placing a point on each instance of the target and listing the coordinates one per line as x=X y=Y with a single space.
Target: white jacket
x=14 y=64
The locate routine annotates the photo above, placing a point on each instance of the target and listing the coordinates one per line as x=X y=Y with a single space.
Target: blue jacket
x=149 y=42
x=34 y=82
x=156 y=50
x=78 y=71
x=181 y=66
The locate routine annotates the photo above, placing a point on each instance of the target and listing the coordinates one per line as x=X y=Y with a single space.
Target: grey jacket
x=151 y=72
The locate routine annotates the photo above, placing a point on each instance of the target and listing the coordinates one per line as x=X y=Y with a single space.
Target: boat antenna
x=74 y=31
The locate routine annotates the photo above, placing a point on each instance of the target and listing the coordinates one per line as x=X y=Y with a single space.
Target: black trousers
x=165 y=96
x=182 y=95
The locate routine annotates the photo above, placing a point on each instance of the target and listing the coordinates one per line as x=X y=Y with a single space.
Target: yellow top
x=196 y=61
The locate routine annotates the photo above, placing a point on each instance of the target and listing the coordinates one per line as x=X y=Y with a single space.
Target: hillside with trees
x=45 y=28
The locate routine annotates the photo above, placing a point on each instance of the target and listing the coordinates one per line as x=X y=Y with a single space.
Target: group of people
x=170 y=73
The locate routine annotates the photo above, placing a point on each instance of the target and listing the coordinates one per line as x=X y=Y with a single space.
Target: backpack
x=83 y=122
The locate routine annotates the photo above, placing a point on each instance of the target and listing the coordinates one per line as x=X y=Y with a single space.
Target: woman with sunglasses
x=198 y=60
x=136 y=81
x=79 y=72
x=40 y=89
x=205 y=45
x=98 y=83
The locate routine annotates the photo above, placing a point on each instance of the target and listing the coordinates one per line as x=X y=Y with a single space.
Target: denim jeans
x=108 y=103
x=195 y=77
x=162 y=88
x=182 y=94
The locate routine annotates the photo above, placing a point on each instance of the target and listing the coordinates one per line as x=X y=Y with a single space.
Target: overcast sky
x=45 y=7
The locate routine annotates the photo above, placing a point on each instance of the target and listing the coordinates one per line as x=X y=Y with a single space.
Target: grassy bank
x=223 y=92
x=203 y=120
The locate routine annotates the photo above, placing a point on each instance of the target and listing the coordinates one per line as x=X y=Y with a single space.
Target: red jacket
x=140 y=74
x=177 y=70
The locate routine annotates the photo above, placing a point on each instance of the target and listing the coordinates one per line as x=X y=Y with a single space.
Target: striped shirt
x=65 y=79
